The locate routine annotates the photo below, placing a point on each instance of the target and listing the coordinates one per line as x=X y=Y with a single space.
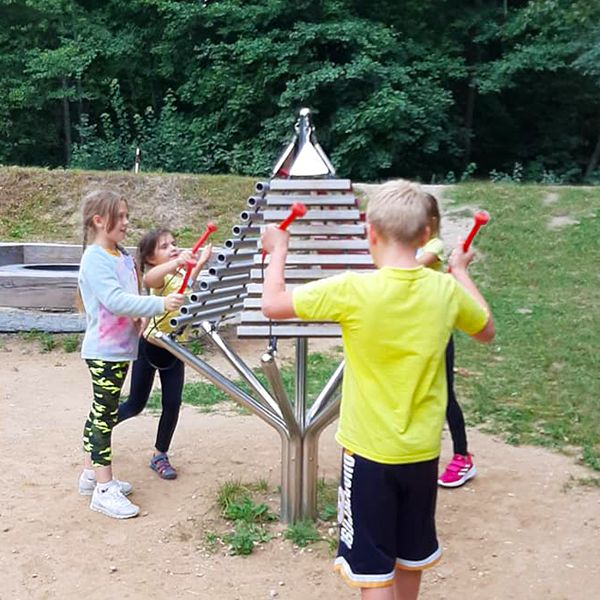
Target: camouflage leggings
x=107 y=381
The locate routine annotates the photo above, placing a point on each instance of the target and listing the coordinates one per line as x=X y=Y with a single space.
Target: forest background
x=436 y=90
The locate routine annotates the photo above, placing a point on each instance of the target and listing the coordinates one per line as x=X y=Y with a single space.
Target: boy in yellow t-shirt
x=395 y=324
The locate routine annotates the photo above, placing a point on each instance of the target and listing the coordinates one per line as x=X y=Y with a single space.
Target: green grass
x=537 y=383
x=206 y=396
x=327 y=497
x=250 y=518
x=302 y=533
x=46 y=341
x=197 y=393
x=70 y=342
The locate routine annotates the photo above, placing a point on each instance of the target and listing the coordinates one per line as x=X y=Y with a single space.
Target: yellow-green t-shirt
x=172 y=283
x=434 y=246
x=395 y=324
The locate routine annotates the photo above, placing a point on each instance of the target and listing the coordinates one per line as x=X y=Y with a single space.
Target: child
x=157 y=249
x=395 y=324
x=461 y=468
x=108 y=286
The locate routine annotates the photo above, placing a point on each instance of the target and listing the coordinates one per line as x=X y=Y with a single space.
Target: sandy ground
x=524 y=528
x=521 y=529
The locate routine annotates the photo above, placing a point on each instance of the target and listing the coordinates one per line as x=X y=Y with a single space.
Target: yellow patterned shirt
x=172 y=283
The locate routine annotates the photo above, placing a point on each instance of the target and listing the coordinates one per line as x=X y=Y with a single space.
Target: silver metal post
x=300 y=387
x=222 y=383
x=329 y=402
x=242 y=369
x=291 y=458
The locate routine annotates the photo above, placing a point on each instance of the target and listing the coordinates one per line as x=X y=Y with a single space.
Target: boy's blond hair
x=398 y=211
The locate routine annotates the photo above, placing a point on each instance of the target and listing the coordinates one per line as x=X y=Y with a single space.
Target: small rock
x=273 y=594
x=34 y=575
x=6 y=529
x=113 y=569
x=282 y=583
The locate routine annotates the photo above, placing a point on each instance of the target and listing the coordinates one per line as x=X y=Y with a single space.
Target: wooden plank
x=335 y=230
x=303 y=275
x=309 y=184
x=318 y=259
x=342 y=245
x=307 y=199
x=280 y=330
x=24 y=288
x=270 y=216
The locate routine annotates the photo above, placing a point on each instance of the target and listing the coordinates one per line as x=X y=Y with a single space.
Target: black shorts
x=387 y=519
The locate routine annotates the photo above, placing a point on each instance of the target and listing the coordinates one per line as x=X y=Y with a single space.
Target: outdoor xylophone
x=327 y=236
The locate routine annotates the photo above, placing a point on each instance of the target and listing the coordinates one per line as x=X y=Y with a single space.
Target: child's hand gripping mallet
x=297 y=210
x=190 y=264
x=480 y=218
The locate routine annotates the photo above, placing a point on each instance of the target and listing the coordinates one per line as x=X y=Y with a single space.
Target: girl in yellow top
x=158 y=251
x=461 y=468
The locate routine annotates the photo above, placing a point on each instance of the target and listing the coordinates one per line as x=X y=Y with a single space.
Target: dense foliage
x=429 y=89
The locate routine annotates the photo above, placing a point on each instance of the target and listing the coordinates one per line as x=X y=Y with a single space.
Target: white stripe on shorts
x=420 y=564
x=342 y=565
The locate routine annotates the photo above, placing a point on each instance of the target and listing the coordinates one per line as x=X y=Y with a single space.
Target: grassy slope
x=537 y=383
x=42 y=205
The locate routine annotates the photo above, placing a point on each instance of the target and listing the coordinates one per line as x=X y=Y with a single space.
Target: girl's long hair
x=433 y=214
x=103 y=202
x=147 y=245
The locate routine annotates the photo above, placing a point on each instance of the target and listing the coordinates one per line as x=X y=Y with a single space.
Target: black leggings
x=454 y=415
x=171 y=372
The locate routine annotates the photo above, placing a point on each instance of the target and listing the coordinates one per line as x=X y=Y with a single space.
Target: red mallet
x=297 y=210
x=190 y=264
x=480 y=219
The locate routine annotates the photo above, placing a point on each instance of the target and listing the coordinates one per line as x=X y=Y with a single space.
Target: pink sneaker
x=459 y=470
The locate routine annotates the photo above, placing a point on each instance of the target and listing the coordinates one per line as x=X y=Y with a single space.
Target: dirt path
x=519 y=530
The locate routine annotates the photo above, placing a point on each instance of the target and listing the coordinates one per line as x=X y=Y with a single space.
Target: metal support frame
x=298 y=429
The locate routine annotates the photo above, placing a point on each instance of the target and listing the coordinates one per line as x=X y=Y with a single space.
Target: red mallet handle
x=190 y=264
x=297 y=210
x=480 y=219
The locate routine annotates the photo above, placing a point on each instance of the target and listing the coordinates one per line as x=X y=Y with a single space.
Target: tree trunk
x=66 y=121
x=469 y=115
x=593 y=162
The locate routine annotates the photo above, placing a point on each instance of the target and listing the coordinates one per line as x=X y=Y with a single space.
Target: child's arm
x=101 y=278
x=428 y=259
x=155 y=277
x=277 y=302
x=204 y=256
x=459 y=261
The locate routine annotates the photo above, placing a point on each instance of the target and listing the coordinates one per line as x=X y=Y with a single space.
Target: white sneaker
x=87 y=485
x=113 y=503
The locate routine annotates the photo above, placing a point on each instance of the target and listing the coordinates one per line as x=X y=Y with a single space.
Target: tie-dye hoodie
x=109 y=290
